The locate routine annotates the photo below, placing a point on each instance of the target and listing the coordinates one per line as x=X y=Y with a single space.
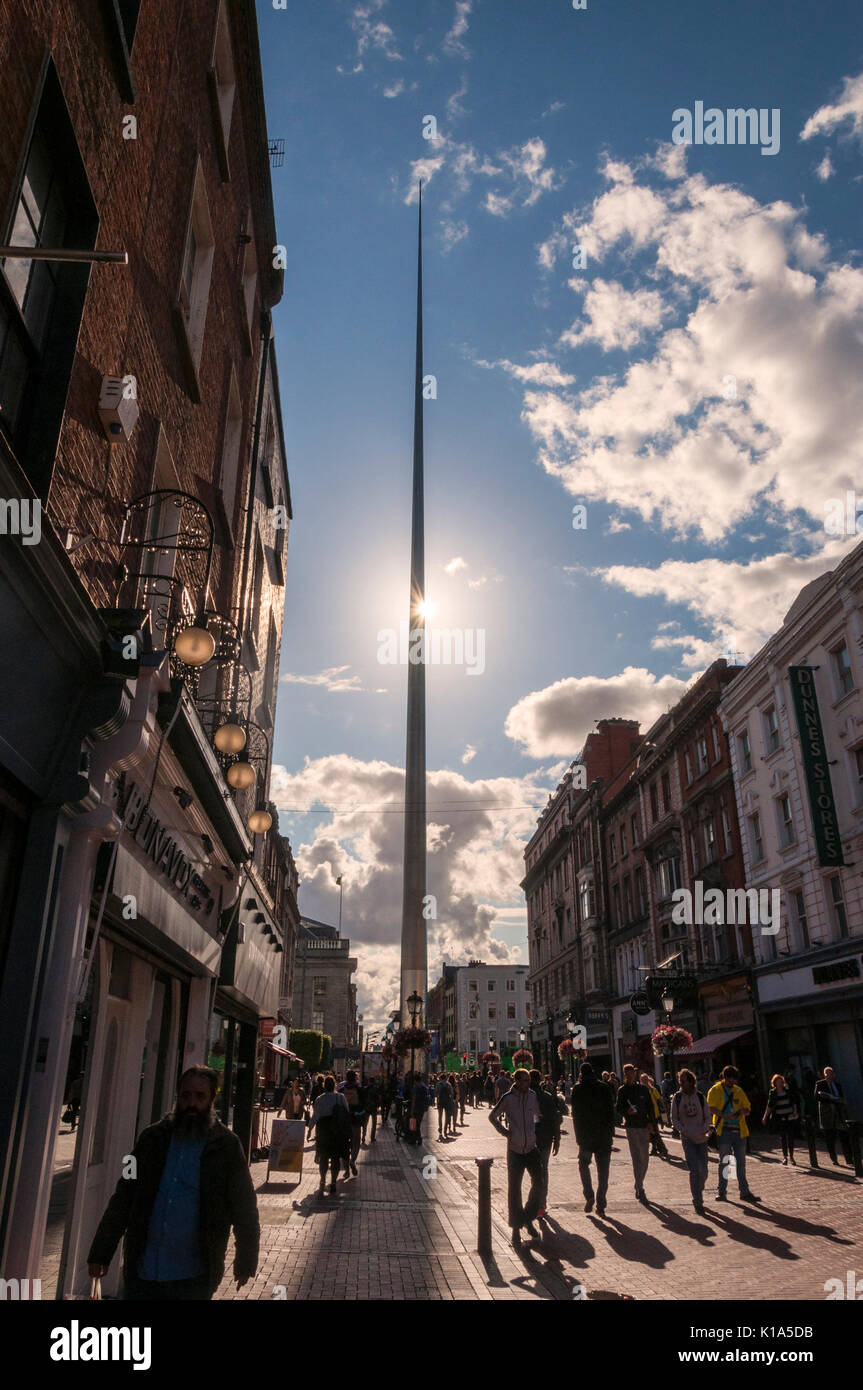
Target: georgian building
x=799 y=797
x=325 y=996
x=146 y=908
x=492 y=1006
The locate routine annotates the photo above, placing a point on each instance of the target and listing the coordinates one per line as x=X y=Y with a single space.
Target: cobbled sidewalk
x=393 y=1233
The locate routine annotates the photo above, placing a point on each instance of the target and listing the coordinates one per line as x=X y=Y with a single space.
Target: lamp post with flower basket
x=668 y=1038
x=522 y=1058
x=568 y=1049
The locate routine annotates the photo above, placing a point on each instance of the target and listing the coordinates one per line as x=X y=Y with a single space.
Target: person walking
x=488 y=1089
x=191 y=1185
x=372 y=1094
x=461 y=1088
x=729 y=1106
x=520 y=1107
x=331 y=1121
x=635 y=1111
x=657 y=1147
x=690 y=1117
x=502 y=1083
x=547 y=1133
x=592 y=1103
x=831 y=1114
x=386 y=1100
x=444 y=1097
x=355 y=1098
x=419 y=1104
x=293 y=1101
x=781 y=1114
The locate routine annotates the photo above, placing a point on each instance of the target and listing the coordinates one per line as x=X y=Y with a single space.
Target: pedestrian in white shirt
x=520 y=1107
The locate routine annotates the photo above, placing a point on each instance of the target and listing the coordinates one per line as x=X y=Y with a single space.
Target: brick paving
x=393 y=1233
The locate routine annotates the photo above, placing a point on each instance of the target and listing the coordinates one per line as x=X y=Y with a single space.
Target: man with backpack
x=355 y=1099
x=691 y=1118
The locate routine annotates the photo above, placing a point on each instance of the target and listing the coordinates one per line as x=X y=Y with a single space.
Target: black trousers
x=516 y=1166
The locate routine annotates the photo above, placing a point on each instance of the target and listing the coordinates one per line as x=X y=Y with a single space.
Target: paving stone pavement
x=393 y=1233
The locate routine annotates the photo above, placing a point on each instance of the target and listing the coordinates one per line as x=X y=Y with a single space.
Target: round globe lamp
x=230 y=738
x=241 y=775
x=260 y=822
x=194 y=646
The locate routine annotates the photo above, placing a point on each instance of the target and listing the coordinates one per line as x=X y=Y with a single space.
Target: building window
x=654 y=803
x=709 y=840
x=745 y=749
x=510 y=1011
x=842 y=672
x=633 y=825
x=223 y=85
x=717 y=747
x=491 y=986
x=612 y=852
x=666 y=792
x=693 y=852
x=702 y=754
x=250 y=280
x=615 y=905
x=627 y=897
x=727 y=841
x=41 y=302
x=801 y=920
x=622 y=841
x=771 y=730
x=492 y=1012
x=639 y=890
x=196 y=273
x=784 y=821
x=510 y=986
x=837 y=902
x=587 y=902
x=318 y=1020
x=668 y=876
x=756 y=844
x=231 y=455
x=319 y=984
x=687 y=762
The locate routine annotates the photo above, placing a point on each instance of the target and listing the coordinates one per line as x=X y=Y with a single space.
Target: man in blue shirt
x=190 y=1184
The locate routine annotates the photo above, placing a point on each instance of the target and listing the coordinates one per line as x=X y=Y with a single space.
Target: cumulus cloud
x=542 y=373
x=477 y=832
x=333 y=680
x=373 y=33
x=741 y=602
x=469 y=754
x=847 y=109
x=751 y=395
x=557 y=719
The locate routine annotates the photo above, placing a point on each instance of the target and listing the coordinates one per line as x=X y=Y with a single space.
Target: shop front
x=633 y=1041
x=728 y=1037
x=812 y=1017
x=598 y=1025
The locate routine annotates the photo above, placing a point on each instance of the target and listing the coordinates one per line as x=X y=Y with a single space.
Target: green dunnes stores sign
x=816 y=767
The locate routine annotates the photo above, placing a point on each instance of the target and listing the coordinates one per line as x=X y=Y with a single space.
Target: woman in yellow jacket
x=729 y=1105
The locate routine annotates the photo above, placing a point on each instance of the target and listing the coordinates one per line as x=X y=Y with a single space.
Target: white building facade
x=492 y=1006
x=808 y=977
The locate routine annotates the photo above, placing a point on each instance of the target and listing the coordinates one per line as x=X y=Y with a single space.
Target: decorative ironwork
x=225 y=634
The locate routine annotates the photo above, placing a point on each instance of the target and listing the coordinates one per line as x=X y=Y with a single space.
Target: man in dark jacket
x=189 y=1185
x=831 y=1114
x=635 y=1110
x=547 y=1132
x=592 y=1104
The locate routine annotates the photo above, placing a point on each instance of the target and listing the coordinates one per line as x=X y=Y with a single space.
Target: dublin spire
x=414 y=943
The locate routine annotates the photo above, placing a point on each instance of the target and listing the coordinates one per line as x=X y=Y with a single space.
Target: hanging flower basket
x=522 y=1058
x=669 y=1038
x=406 y=1038
x=567 y=1048
x=490 y=1057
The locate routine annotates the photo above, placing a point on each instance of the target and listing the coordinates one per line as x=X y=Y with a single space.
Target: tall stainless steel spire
x=414 y=961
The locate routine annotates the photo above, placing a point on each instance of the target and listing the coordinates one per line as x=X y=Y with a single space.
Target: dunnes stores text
x=158 y=844
x=815 y=766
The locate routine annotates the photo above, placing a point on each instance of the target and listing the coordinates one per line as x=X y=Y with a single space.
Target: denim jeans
x=696 y=1161
x=603 y=1163
x=639 y=1152
x=731 y=1143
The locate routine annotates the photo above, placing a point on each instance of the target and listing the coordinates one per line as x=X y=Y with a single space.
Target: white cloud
x=455 y=108
x=395 y=89
x=372 y=33
x=522 y=173
x=613 y=316
x=741 y=603
x=541 y=373
x=452 y=233
x=825 y=170
x=849 y=107
x=332 y=680
x=556 y=720
x=751 y=296
x=476 y=841
x=453 y=43
x=615 y=526
x=553 y=109
x=469 y=754
x=482 y=579
x=453 y=566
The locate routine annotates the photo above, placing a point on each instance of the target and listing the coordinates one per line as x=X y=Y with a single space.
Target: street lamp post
x=668 y=1006
x=414 y=1002
x=571 y=1026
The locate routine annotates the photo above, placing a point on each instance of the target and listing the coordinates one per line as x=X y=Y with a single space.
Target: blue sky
x=692 y=378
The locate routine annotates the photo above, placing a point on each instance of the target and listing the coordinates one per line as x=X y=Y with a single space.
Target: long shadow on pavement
x=625 y=1241
x=683 y=1226
x=799 y=1227
x=758 y=1240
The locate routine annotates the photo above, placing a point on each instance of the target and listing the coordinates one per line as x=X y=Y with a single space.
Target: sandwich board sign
x=287 y=1139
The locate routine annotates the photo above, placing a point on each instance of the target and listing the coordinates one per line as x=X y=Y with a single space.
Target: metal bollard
x=483 y=1220
x=811 y=1132
x=854 y=1128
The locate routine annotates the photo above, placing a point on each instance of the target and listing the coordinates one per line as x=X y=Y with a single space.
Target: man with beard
x=189 y=1185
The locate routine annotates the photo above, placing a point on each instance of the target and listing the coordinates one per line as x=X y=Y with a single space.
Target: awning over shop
x=710 y=1043
x=284 y=1052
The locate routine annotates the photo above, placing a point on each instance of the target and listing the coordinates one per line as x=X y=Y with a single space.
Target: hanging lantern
x=230 y=738
x=194 y=646
x=260 y=822
x=241 y=775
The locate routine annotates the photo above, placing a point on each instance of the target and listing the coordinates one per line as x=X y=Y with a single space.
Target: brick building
x=148 y=902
